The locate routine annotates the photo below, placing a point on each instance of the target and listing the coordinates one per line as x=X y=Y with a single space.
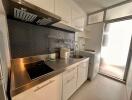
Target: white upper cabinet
x=44 y=4
x=95 y=18
x=78 y=23
x=63 y=9
x=71 y=14
x=78 y=17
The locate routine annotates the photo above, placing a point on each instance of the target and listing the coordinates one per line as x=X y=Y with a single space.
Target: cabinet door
x=78 y=18
x=63 y=9
x=78 y=23
x=48 y=90
x=82 y=73
x=69 y=82
x=44 y=4
x=27 y=95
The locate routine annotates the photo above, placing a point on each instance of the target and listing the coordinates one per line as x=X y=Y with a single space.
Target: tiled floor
x=114 y=71
x=101 y=88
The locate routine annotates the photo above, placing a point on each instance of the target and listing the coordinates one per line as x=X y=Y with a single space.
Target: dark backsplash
x=30 y=40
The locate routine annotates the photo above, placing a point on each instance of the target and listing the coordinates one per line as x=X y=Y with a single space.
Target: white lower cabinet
x=60 y=87
x=69 y=82
x=73 y=78
x=82 y=73
x=48 y=90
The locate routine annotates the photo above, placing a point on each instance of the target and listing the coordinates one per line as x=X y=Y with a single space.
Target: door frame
x=128 y=61
x=129 y=57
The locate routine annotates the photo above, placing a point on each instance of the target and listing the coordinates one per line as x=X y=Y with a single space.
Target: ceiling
x=93 y=5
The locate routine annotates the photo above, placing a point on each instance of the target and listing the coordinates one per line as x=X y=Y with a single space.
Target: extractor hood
x=27 y=12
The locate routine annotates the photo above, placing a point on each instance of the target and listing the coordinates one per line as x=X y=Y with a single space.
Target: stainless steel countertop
x=20 y=80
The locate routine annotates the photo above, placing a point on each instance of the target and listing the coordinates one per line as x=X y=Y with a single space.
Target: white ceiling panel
x=93 y=5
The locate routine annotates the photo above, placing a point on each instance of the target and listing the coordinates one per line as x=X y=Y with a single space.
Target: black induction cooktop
x=37 y=69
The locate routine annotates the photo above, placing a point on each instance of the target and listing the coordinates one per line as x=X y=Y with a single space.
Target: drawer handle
x=38 y=88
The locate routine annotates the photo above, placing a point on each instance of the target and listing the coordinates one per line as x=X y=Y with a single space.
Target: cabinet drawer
x=69 y=75
x=43 y=91
x=69 y=82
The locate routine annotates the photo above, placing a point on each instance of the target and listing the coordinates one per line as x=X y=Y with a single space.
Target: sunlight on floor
x=114 y=71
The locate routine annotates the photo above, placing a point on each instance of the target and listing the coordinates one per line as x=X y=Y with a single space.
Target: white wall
x=94 y=32
x=4 y=46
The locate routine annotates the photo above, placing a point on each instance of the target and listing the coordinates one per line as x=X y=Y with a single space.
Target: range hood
x=27 y=12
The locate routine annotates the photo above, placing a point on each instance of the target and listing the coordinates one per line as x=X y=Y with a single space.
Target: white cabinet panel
x=73 y=17
x=48 y=90
x=78 y=23
x=69 y=82
x=120 y=11
x=82 y=73
x=95 y=18
x=78 y=18
x=63 y=9
x=27 y=95
x=44 y=4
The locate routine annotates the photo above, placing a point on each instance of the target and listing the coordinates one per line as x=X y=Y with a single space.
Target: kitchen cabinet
x=70 y=13
x=69 y=82
x=48 y=90
x=72 y=18
x=44 y=4
x=63 y=9
x=78 y=23
x=82 y=73
x=78 y=18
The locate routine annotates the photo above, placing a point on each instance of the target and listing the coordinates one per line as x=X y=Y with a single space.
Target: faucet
x=76 y=49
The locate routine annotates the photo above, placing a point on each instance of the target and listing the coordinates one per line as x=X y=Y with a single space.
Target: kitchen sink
x=77 y=56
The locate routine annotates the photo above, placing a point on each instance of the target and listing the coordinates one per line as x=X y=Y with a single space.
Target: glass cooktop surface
x=37 y=69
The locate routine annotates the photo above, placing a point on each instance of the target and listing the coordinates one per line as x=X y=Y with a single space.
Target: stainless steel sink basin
x=77 y=56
